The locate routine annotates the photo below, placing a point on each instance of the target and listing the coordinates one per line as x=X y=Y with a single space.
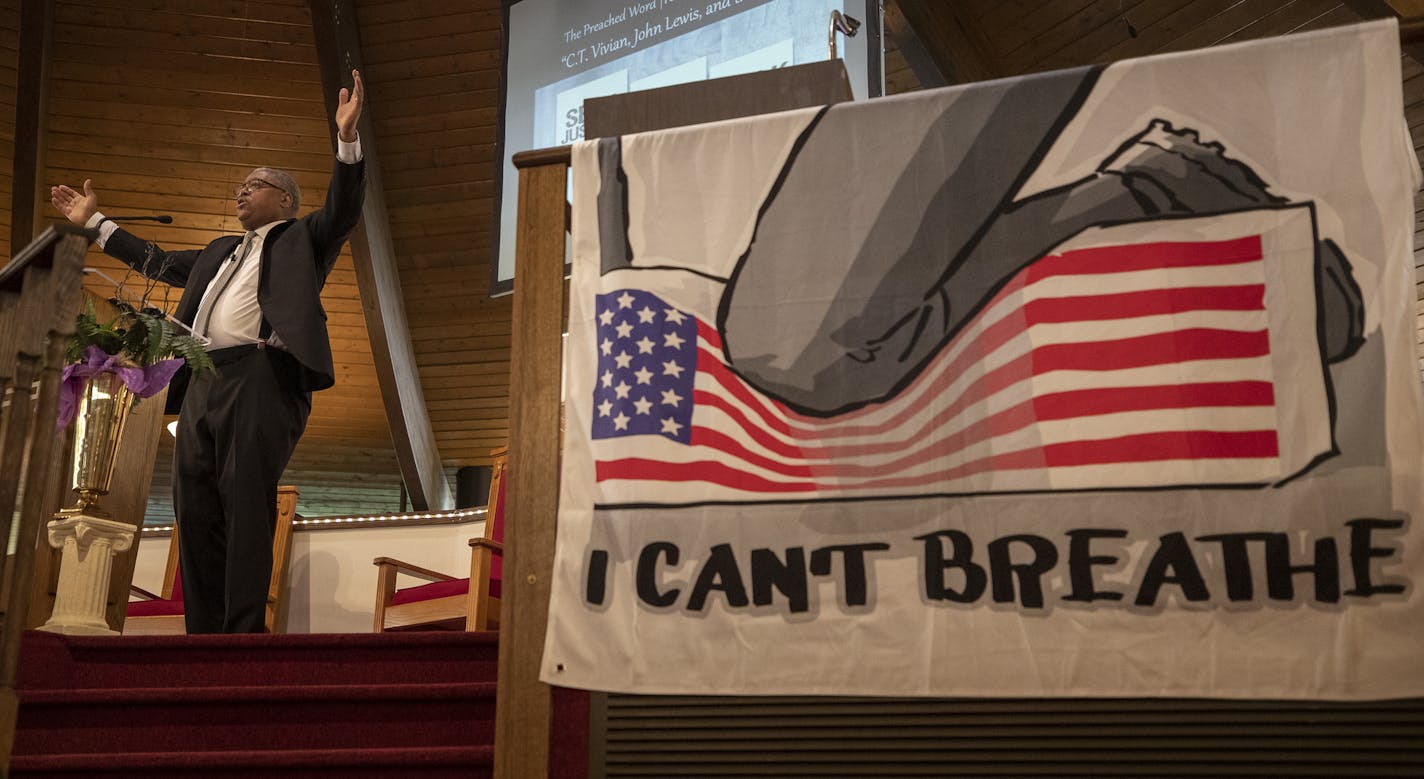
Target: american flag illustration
x=1145 y=363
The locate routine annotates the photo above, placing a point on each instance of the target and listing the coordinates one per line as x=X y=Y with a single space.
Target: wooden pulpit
x=126 y=501
x=39 y=293
x=750 y=94
x=41 y=290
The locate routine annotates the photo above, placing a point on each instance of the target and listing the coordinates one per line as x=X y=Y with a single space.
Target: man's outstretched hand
x=76 y=207
x=348 y=108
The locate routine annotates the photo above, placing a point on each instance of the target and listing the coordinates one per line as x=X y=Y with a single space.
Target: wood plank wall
x=167 y=105
x=9 y=60
x=434 y=74
x=1027 y=36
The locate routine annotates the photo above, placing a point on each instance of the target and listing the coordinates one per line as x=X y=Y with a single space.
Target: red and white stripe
x=1105 y=366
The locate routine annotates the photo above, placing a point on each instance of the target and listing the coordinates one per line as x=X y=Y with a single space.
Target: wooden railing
x=41 y=289
x=39 y=293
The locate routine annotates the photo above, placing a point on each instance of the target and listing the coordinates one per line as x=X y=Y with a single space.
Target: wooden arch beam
x=912 y=47
x=338 y=47
x=949 y=36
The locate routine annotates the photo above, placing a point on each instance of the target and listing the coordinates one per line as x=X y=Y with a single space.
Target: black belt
x=231 y=354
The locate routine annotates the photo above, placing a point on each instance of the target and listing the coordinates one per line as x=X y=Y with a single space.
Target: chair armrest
x=484 y=543
x=412 y=570
x=142 y=593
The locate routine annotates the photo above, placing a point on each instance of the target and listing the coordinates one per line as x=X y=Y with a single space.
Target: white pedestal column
x=86 y=562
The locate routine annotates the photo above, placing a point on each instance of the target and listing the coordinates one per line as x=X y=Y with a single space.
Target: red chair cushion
x=155 y=608
x=159 y=607
x=431 y=591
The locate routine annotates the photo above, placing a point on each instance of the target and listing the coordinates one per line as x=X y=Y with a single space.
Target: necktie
x=219 y=284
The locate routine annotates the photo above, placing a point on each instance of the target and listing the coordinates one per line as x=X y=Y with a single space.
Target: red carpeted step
x=375 y=763
x=258 y=718
x=50 y=661
x=350 y=705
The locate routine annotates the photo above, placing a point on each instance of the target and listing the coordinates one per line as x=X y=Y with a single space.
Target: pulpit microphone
x=160 y=218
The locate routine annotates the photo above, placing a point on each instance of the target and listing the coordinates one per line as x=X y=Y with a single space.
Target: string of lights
x=454 y=517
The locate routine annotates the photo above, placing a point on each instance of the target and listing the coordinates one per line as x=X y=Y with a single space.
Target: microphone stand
x=159 y=218
x=843 y=23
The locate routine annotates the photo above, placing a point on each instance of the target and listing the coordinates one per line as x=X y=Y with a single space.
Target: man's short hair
x=284 y=180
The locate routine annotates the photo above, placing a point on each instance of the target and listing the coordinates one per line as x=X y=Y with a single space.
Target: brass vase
x=98 y=427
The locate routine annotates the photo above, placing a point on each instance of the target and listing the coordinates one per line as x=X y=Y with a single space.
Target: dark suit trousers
x=235 y=434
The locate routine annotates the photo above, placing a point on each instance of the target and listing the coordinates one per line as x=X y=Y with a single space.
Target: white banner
x=1092 y=383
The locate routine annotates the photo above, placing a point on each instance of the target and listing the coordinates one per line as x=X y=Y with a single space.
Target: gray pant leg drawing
x=905 y=254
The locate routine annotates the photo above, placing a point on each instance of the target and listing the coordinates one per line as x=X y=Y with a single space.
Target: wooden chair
x=162 y=615
x=448 y=603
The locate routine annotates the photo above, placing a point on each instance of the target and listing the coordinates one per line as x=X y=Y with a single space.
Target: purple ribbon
x=143 y=382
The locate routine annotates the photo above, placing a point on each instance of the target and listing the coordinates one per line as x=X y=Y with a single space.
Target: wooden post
x=522 y=707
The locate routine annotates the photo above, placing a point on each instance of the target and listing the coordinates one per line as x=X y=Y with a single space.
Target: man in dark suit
x=256 y=297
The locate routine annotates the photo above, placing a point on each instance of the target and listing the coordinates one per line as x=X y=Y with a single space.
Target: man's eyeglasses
x=254 y=185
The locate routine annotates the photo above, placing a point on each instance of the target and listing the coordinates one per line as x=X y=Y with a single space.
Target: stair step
x=386 y=763
x=269 y=693
x=262 y=718
x=51 y=661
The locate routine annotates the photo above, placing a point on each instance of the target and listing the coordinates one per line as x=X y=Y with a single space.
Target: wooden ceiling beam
x=927 y=71
x=32 y=80
x=338 y=45
x=948 y=35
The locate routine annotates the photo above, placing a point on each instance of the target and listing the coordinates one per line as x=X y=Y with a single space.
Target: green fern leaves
x=143 y=337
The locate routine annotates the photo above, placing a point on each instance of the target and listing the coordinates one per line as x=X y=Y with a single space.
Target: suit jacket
x=297 y=256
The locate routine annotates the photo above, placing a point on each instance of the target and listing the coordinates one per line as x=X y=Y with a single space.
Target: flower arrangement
x=141 y=347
